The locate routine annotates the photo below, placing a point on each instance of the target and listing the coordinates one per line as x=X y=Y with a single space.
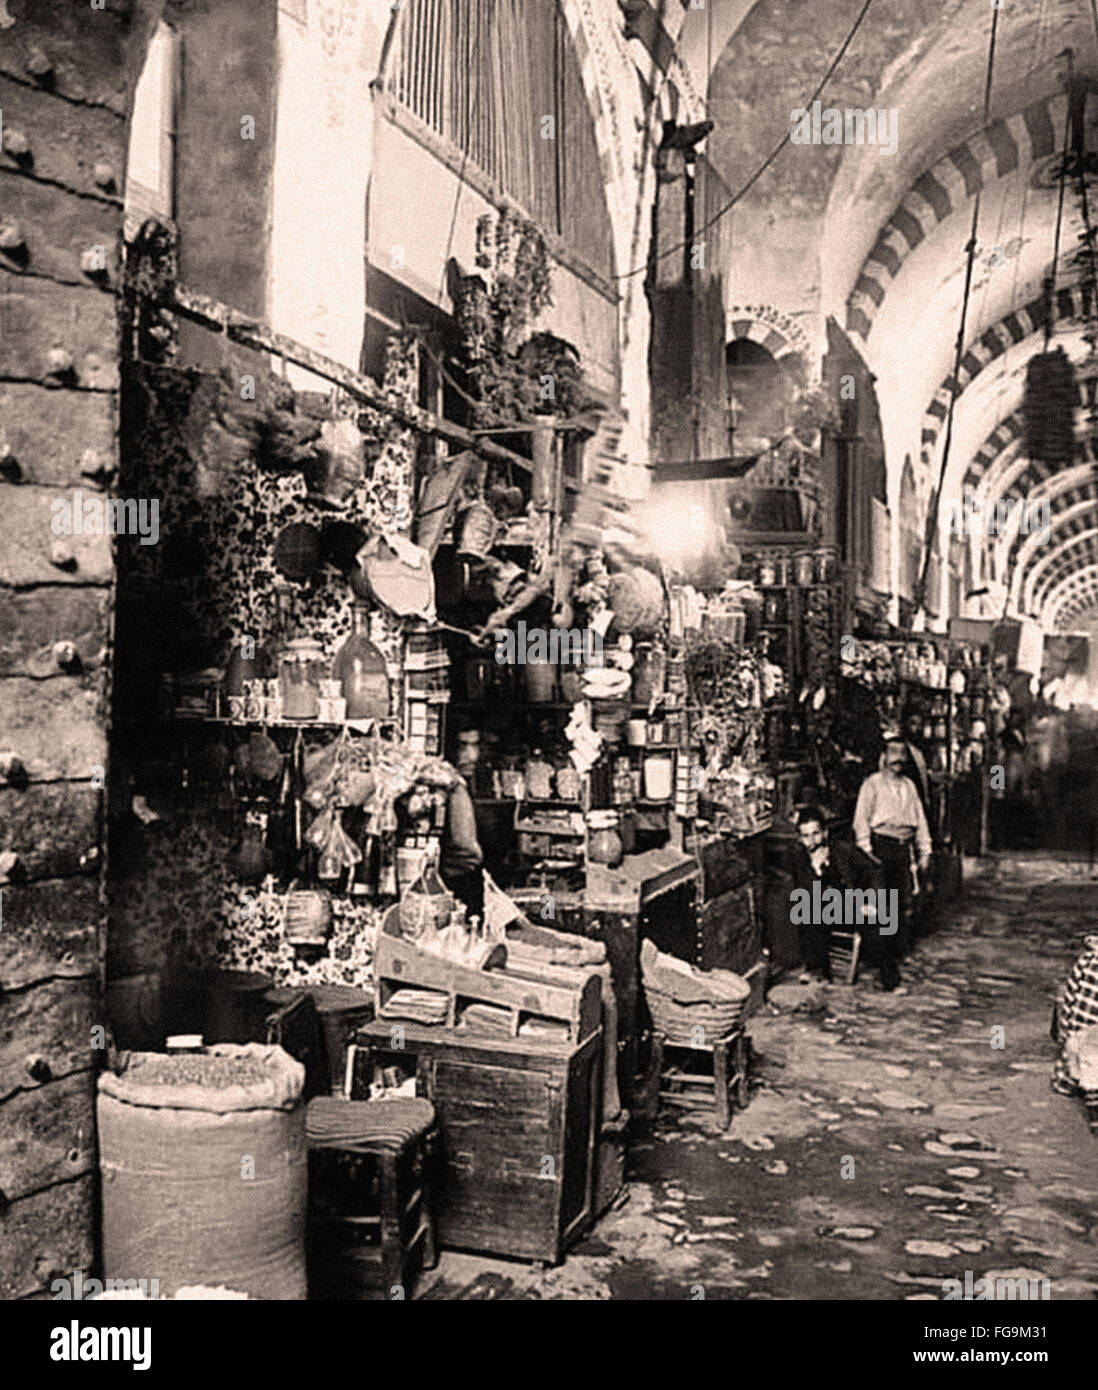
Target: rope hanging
x=935 y=501
x=1048 y=402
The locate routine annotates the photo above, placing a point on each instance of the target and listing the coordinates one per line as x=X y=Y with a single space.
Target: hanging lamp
x=1048 y=401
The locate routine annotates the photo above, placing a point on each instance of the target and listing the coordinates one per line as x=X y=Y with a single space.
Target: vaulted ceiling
x=878 y=241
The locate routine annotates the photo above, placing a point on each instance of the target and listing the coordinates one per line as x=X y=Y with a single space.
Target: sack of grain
x=203 y=1165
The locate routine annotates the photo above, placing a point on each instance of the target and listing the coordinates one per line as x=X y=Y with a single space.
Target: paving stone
x=963 y=1172
x=852 y=1232
x=965 y=1110
x=935 y=1249
x=956 y=1140
x=897 y=1100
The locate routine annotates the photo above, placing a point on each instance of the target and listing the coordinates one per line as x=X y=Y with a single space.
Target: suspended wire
x=1050 y=278
x=935 y=504
x=1050 y=299
x=770 y=158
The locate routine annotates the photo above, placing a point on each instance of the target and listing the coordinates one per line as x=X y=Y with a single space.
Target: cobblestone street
x=960 y=1156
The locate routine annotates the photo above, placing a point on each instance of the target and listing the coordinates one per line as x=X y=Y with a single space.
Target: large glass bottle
x=360 y=669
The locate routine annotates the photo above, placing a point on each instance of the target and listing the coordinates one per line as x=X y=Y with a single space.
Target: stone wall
x=66 y=77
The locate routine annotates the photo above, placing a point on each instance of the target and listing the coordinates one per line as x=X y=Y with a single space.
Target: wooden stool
x=371 y=1195
x=725 y=1078
x=843 y=950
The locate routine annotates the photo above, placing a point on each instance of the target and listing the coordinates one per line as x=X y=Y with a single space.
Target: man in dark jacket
x=838 y=865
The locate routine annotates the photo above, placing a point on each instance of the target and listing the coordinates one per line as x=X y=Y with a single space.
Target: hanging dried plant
x=1048 y=408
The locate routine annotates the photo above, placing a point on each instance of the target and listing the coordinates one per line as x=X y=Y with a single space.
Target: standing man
x=916 y=763
x=889 y=823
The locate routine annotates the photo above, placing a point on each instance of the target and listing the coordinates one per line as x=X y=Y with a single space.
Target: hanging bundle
x=1048 y=409
x=1048 y=403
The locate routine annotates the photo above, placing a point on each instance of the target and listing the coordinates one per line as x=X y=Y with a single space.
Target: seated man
x=837 y=865
x=890 y=825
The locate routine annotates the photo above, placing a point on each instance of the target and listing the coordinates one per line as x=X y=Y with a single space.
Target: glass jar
x=301 y=668
x=804 y=569
x=360 y=669
x=649 y=673
x=767 y=574
x=569 y=783
x=539 y=777
x=658 y=776
x=825 y=566
x=604 y=844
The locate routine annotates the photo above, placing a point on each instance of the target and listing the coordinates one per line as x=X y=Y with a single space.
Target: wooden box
x=519 y=1121
x=523 y=987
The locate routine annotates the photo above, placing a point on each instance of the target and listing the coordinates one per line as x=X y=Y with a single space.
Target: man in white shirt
x=889 y=824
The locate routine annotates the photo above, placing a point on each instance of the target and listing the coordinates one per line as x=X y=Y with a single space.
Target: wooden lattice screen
x=499 y=80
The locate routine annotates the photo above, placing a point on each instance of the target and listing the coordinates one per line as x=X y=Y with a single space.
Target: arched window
x=150 y=162
x=760 y=392
x=500 y=81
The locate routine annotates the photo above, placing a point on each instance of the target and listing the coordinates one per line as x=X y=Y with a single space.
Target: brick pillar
x=67 y=72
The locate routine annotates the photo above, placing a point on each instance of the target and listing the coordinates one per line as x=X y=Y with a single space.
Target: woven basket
x=677 y=1021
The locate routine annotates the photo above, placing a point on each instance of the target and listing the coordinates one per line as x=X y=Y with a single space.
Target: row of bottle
x=308 y=683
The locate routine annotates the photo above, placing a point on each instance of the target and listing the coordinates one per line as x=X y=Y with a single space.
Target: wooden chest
x=519 y=1121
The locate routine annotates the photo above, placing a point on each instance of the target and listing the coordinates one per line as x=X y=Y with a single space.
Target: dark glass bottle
x=360 y=669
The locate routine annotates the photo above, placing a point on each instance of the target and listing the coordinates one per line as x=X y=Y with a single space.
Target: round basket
x=678 y=1021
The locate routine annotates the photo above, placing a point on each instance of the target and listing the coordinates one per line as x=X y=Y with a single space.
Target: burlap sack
x=206 y=1185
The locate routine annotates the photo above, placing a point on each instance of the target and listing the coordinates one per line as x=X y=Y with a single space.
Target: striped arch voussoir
x=983 y=157
x=1012 y=329
x=1073 y=500
x=770 y=328
x=1009 y=431
x=1071 y=596
x=1076 y=547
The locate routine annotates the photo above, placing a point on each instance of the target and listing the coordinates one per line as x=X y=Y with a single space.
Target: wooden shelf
x=361 y=726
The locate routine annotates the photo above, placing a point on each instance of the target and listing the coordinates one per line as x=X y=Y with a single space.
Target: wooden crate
x=519 y=1121
x=525 y=988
